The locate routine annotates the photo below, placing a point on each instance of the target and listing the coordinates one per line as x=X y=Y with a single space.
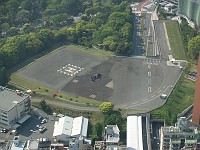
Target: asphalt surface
x=162 y=44
x=49 y=70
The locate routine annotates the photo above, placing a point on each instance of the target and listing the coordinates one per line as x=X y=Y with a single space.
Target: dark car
x=4 y=130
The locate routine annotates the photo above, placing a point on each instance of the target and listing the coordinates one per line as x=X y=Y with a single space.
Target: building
x=196 y=108
x=14 y=107
x=84 y=144
x=190 y=9
x=39 y=144
x=134 y=133
x=183 y=136
x=16 y=144
x=112 y=135
x=67 y=127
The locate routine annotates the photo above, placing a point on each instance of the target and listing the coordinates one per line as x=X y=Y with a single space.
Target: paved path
x=62 y=104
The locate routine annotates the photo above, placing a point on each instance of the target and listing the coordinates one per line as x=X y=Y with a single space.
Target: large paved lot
x=132 y=83
x=59 y=67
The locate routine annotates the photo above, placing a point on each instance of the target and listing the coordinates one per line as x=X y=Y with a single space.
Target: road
x=156 y=126
x=143 y=39
x=62 y=104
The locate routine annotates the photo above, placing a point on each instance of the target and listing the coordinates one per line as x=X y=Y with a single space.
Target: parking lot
x=30 y=129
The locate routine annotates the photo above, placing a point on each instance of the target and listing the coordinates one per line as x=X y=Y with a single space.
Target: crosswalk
x=151 y=62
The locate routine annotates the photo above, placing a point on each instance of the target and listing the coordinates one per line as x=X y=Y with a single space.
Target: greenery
x=46 y=108
x=181 y=97
x=187 y=32
x=29 y=27
x=194 y=48
x=175 y=40
x=106 y=107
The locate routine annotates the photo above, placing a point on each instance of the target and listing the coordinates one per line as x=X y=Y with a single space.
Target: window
x=5 y=120
x=4 y=116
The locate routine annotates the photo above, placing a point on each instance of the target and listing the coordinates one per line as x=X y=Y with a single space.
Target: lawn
x=92 y=51
x=175 y=40
x=181 y=97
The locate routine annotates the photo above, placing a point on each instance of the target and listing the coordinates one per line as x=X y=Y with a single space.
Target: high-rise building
x=190 y=9
x=196 y=108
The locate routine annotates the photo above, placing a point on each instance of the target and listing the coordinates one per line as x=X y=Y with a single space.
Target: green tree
x=3 y=76
x=113 y=119
x=106 y=107
x=194 y=47
x=97 y=131
x=43 y=104
x=13 y=31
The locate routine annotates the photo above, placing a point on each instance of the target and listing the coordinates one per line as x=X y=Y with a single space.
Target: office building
x=14 y=107
x=190 y=9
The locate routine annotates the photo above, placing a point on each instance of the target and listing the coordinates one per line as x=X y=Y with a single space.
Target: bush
x=106 y=107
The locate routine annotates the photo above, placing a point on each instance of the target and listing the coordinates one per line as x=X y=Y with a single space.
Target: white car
x=163 y=96
x=42 y=129
x=43 y=121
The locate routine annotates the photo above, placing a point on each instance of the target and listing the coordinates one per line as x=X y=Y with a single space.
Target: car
x=42 y=129
x=163 y=96
x=43 y=121
x=4 y=130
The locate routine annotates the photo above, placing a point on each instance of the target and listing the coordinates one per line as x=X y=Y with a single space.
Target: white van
x=163 y=96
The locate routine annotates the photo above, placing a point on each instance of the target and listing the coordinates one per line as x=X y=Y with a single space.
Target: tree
x=97 y=130
x=43 y=104
x=113 y=119
x=106 y=107
x=3 y=76
x=194 y=47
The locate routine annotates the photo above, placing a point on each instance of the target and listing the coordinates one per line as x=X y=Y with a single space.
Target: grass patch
x=175 y=40
x=181 y=97
x=66 y=111
x=24 y=84
x=92 y=51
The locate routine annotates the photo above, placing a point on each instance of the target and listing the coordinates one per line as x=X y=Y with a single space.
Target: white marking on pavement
x=149 y=73
x=149 y=89
x=149 y=81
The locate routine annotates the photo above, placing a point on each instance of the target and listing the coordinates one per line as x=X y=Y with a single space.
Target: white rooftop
x=134 y=133
x=19 y=146
x=71 y=127
x=63 y=126
x=112 y=133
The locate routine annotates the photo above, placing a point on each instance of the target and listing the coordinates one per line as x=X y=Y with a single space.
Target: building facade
x=14 y=106
x=179 y=137
x=190 y=9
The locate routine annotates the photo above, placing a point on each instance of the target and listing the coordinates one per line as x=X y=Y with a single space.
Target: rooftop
x=19 y=146
x=32 y=144
x=71 y=126
x=112 y=133
x=9 y=98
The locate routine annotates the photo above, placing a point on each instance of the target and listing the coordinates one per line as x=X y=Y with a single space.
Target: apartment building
x=182 y=136
x=14 y=107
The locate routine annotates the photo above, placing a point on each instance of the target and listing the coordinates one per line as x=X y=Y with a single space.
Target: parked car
x=4 y=130
x=43 y=121
x=42 y=129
